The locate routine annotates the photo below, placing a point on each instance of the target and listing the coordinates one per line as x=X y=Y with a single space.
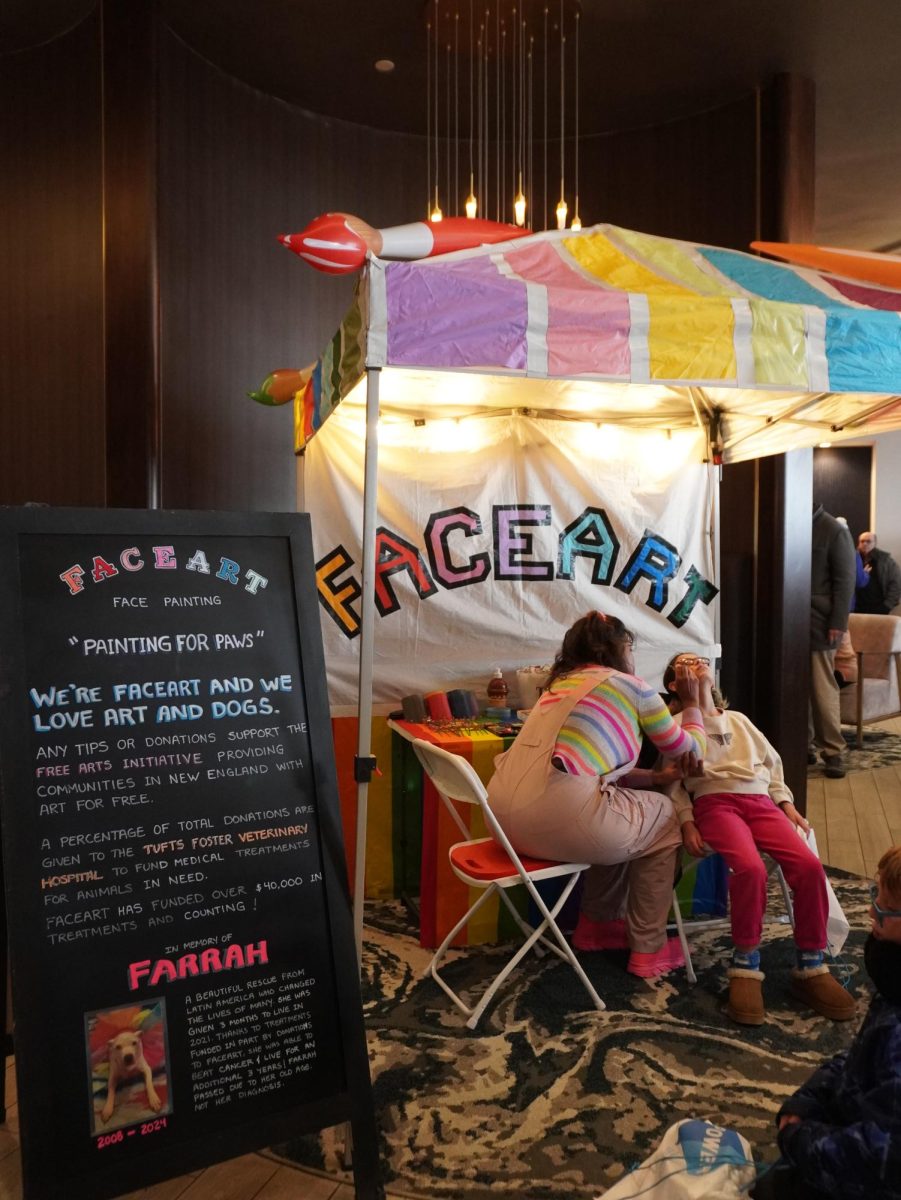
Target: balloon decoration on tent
x=337 y=243
x=868 y=266
x=280 y=386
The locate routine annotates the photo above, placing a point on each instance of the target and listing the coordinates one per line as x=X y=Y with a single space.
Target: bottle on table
x=497 y=690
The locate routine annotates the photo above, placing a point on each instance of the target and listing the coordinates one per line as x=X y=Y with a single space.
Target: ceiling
x=644 y=61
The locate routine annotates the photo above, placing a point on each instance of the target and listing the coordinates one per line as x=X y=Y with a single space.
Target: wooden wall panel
x=129 y=33
x=236 y=169
x=693 y=178
x=52 y=439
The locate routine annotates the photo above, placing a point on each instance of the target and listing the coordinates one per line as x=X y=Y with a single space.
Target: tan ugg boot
x=821 y=991
x=745 y=996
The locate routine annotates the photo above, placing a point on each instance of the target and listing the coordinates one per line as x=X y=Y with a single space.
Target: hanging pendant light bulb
x=471 y=204
x=436 y=214
x=577 y=220
x=519 y=204
x=561 y=211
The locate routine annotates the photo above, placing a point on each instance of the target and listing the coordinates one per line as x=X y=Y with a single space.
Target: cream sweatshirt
x=739 y=759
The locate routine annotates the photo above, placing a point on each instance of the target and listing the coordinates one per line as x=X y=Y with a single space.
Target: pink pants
x=739 y=827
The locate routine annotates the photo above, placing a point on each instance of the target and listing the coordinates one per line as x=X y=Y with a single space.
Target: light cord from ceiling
x=561 y=203
x=436 y=213
x=428 y=117
x=472 y=204
x=447 y=140
x=577 y=220
x=456 y=114
x=545 y=210
x=502 y=107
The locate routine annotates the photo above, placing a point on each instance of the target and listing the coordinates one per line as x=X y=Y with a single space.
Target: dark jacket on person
x=886 y=575
x=832 y=578
x=848 y=1143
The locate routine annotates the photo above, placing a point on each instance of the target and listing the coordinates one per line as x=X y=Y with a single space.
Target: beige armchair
x=877 y=693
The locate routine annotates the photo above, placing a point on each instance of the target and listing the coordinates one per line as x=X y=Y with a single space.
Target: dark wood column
x=765 y=523
x=787 y=159
x=129 y=70
x=766 y=508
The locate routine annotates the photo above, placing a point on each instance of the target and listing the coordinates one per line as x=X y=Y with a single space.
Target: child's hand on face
x=687 y=686
x=704 y=671
x=692 y=840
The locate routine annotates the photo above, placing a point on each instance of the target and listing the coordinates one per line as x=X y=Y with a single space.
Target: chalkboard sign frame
x=44 y=1177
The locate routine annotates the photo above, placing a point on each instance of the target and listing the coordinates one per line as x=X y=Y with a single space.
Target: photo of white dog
x=126 y=1060
x=128 y=1067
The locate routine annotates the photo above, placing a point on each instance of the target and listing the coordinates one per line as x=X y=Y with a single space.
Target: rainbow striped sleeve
x=602 y=731
x=657 y=722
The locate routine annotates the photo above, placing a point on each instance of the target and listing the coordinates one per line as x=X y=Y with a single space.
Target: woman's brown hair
x=594 y=640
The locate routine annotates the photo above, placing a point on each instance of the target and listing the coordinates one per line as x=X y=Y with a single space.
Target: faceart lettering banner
x=495 y=533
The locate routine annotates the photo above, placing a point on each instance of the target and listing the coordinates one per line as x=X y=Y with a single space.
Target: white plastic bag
x=695 y=1158
x=837 y=927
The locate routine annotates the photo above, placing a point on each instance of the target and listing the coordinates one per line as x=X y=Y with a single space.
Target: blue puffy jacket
x=848 y=1142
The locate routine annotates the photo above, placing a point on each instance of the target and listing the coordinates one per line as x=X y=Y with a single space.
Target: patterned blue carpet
x=550 y=1099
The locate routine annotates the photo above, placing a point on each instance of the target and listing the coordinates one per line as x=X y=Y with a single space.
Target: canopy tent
x=612 y=325
x=606 y=326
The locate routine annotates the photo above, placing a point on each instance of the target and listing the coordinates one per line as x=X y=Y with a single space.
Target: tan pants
x=632 y=835
x=824 y=722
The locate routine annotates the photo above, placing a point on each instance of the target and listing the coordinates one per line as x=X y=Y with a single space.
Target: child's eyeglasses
x=692 y=660
x=881 y=913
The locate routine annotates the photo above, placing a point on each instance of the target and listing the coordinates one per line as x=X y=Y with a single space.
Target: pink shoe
x=660 y=962
x=600 y=935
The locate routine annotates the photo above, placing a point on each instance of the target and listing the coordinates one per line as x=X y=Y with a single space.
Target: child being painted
x=741 y=807
x=840 y=1133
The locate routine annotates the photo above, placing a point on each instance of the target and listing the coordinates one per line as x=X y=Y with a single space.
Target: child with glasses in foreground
x=840 y=1134
x=740 y=806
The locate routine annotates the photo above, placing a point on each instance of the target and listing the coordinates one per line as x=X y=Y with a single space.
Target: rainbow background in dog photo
x=132 y=1104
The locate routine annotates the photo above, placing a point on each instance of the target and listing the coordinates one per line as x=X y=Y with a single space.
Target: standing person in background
x=832 y=575
x=882 y=591
x=845 y=658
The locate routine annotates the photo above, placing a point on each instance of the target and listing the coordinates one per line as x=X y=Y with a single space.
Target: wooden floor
x=855 y=819
x=858 y=817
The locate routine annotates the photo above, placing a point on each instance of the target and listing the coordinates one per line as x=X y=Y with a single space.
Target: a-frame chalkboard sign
x=185 y=985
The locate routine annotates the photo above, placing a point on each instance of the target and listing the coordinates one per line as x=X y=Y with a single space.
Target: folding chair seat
x=493 y=866
x=774 y=871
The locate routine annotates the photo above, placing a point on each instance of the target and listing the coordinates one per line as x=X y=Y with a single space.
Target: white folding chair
x=773 y=870
x=492 y=865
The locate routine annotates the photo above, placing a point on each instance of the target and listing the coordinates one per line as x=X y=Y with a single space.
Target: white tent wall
x=510 y=526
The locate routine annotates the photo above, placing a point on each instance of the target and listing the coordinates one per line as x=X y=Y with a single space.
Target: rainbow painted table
x=424 y=832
